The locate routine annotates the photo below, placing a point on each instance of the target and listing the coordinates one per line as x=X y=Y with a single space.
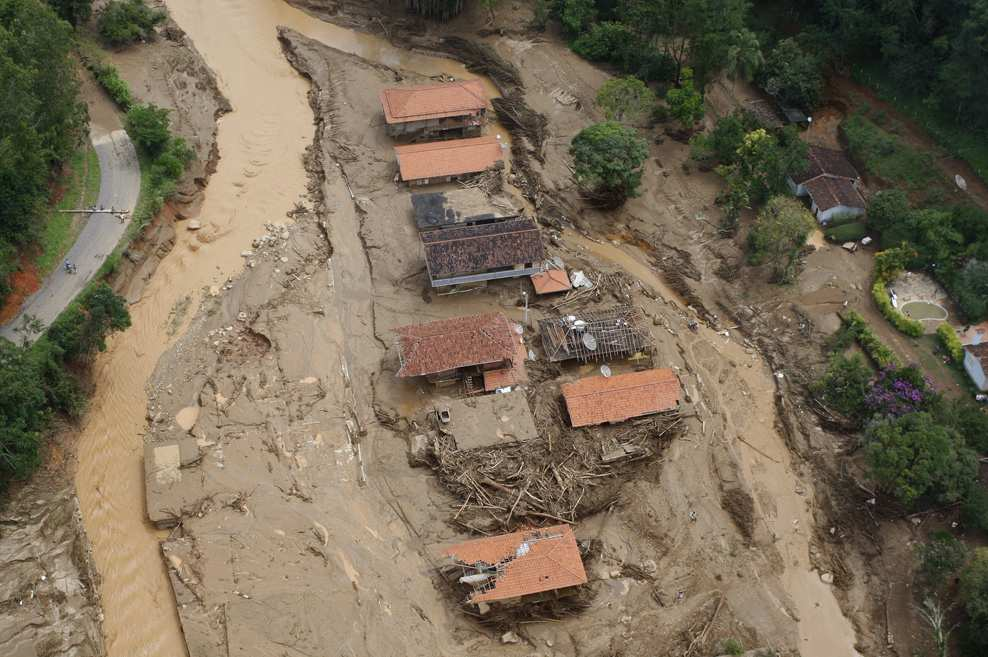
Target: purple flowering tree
x=899 y=391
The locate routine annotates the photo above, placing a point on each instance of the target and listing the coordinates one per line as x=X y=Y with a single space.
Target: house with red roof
x=454 y=109
x=831 y=183
x=609 y=399
x=517 y=567
x=444 y=161
x=452 y=349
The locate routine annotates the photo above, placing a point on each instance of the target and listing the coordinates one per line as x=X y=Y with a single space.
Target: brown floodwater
x=258 y=179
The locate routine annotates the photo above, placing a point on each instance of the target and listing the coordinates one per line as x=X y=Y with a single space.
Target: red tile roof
x=600 y=399
x=548 y=282
x=450 y=344
x=433 y=101
x=829 y=192
x=509 y=376
x=455 y=157
x=526 y=562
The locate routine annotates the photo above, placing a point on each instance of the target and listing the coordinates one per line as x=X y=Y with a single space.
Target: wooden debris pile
x=551 y=480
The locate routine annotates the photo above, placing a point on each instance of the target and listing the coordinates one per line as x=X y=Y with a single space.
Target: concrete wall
x=974 y=370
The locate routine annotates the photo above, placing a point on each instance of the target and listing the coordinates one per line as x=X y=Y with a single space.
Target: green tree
x=914 y=457
x=625 y=100
x=22 y=413
x=577 y=15
x=147 y=125
x=845 y=385
x=763 y=161
x=75 y=12
x=123 y=22
x=887 y=208
x=685 y=102
x=744 y=56
x=971 y=290
x=792 y=75
x=83 y=328
x=721 y=145
x=974 y=597
x=608 y=159
x=778 y=236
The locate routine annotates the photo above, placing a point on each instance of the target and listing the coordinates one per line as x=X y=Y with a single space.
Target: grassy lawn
x=959 y=140
x=886 y=156
x=61 y=228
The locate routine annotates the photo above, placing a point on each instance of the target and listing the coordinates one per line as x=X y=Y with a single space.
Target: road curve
x=120 y=185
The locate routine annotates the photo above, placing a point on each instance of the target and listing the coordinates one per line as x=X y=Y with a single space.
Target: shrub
x=974 y=510
x=940 y=558
x=733 y=647
x=849 y=232
x=974 y=597
x=147 y=125
x=115 y=86
x=875 y=349
x=845 y=385
x=950 y=342
x=625 y=99
x=900 y=391
x=886 y=208
x=125 y=21
x=911 y=327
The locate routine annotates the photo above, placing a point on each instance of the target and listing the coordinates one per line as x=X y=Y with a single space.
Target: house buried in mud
x=596 y=335
x=459 y=207
x=445 y=161
x=530 y=566
x=461 y=348
x=474 y=254
x=607 y=400
x=455 y=109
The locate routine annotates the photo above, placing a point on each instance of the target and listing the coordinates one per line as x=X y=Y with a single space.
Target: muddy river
x=259 y=178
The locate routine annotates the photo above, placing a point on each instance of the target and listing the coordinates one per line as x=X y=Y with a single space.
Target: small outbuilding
x=485 y=252
x=517 y=568
x=455 y=109
x=444 y=161
x=551 y=281
x=451 y=349
x=610 y=399
x=831 y=182
x=976 y=364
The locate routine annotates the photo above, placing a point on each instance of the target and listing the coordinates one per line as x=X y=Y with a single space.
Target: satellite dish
x=589 y=341
x=518 y=329
x=605 y=370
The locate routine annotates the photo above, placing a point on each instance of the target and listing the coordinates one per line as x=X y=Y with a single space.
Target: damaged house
x=459 y=207
x=831 y=183
x=445 y=161
x=486 y=252
x=606 y=400
x=596 y=335
x=524 y=567
x=459 y=348
x=435 y=111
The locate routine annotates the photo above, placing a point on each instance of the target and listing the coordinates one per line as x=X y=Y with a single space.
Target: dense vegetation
x=125 y=21
x=37 y=382
x=41 y=120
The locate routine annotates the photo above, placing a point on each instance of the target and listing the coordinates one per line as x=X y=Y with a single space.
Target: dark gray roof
x=462 y=206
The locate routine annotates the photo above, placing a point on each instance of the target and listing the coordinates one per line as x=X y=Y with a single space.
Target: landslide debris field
x=278 y=431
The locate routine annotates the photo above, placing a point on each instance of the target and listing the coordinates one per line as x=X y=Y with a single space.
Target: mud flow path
x=259 y=178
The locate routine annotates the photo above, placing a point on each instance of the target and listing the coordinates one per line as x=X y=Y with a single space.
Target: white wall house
x=831 y=182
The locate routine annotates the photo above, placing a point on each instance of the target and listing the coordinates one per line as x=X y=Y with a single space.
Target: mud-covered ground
x=301 y=525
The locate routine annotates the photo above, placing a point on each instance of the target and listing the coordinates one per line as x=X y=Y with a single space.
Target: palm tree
x=744 y=56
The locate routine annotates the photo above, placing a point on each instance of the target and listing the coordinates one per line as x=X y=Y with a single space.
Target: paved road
x=120 y=184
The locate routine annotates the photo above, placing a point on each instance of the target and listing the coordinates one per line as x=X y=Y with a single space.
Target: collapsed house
x=596 y=335
x=486 y=252
x=459 y=207
x=455 y=109
x=445 y=161
x=607 y=400
x=831 y=182
x=520 y=568
x=461 y=348
x=482 y=421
